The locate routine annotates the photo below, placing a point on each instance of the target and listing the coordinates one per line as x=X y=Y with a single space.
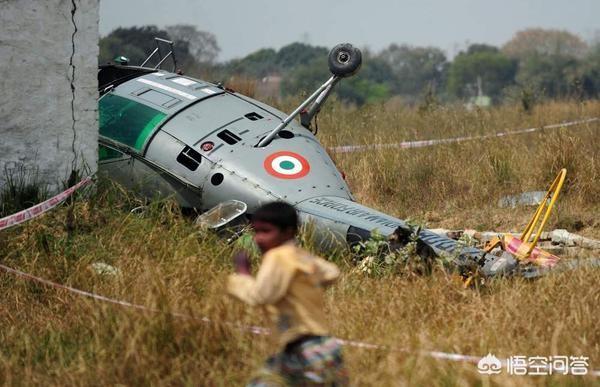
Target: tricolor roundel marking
x=287 y=165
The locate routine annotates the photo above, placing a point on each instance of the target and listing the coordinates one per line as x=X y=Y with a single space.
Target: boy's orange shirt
x=291 y=283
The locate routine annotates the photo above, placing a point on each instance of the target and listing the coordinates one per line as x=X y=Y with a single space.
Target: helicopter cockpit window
x=105 y=153
x=127 y=121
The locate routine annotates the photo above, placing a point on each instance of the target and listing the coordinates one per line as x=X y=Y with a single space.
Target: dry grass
x=458 y=185
x=48 y=336
x=243 y=85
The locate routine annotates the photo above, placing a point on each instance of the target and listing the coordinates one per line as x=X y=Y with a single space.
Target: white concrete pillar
x=48 y=87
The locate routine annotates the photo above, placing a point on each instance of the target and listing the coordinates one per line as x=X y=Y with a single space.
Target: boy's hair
x=280 y=214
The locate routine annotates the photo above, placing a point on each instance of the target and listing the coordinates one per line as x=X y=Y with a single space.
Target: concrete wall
x=48 y=82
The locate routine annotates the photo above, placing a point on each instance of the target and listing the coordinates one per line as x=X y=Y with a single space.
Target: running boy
x=290 y=282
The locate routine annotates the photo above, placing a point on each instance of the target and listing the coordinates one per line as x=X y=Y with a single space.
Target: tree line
x=535 y=64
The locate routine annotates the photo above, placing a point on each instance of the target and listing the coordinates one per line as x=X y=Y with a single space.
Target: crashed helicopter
x=219 y=152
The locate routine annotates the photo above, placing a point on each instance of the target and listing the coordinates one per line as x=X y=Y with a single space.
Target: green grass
x=22 y=189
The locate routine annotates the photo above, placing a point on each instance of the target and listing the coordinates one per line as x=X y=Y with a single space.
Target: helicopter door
x=179 y=165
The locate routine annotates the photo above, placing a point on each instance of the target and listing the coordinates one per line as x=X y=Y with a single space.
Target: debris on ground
x=532 y=198
x=558 y=241
x=105 y=269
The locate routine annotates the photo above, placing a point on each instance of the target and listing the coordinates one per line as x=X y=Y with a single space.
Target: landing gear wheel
x=344 y=60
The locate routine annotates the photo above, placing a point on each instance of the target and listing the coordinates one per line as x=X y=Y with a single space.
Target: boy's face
x=268 y=236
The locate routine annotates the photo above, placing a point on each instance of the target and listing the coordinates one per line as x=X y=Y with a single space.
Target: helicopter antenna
x=161 y=58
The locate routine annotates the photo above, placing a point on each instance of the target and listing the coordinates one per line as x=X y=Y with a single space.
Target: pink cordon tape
x=424 y=143
x=518 y=248
x=38 y=209
x=456 y=357
x=253 y=329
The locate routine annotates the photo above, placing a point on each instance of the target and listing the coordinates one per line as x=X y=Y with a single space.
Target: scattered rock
x=105 y=269
x=532 y=198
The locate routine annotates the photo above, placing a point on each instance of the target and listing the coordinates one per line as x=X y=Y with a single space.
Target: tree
x=481 y=47
x=298 y=54
x=267 y=61
x=539 y=41
x=257 y=64
x=415 y=69
x=554 y=63
x=377 y=69
x=202 y=45
x=551 y=75
x=589 y=72
x=112 y=46
x=305 y=79
x=480 y=63
x=359 y=89
x=136 y=43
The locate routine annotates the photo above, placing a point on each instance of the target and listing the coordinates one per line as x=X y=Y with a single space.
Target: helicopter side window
x=127 y=121
x=254 y=116
x=229 y=137
x=189 y=158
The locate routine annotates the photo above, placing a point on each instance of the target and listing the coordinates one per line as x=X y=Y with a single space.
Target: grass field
x=51 y=337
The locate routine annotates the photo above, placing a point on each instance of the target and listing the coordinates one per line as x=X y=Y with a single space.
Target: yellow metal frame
x=545 y=207
x=547 y=204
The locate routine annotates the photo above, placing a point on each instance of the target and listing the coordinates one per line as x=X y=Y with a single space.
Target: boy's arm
x=328 y=271
x=271 y=282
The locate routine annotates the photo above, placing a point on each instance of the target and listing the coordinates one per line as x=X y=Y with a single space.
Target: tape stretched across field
x=39 y=209
x=424 y=143
x=457 y=357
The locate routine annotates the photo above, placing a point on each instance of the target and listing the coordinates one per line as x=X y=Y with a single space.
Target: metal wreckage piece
x=164 y=134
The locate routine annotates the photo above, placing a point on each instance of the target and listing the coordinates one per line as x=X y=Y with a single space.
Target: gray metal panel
x=212 y=115
x=187 y=82
x=351 y=213
x=165 y=83
x=202 y=122
x=327 y=234
x=164 y=149
x=262 y=106
x=157 y=98
x=152 y=179
x=235 y=187
x=153 y=183
x=252 y=163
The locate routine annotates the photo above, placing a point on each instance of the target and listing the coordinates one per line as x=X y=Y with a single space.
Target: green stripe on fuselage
x=147 y=131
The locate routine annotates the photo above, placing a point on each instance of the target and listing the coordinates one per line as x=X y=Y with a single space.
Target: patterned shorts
x=313 y=361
